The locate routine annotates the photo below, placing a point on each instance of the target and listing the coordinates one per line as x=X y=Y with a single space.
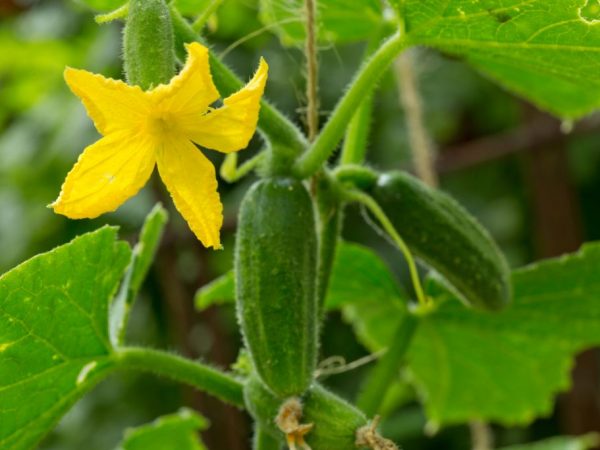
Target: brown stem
x=482 y=437
x=312 y=110
x=537 y=132
x=421 y=145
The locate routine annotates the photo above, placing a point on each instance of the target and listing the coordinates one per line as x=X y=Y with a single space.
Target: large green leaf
x=560 y=443
x=359 y=274
x=506 y=366
x=177 y=431
x=54 y=340
x=337 y=20
x=544 y=51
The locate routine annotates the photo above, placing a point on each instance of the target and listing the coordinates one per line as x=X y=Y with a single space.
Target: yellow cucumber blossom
x=159 y=126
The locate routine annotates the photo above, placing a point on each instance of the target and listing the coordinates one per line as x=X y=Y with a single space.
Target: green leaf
x=547 y=55
x=191 y=7
x=359 y=275
x=141 y=260
x=54 y=340
x=177 y=431
x=102 y=5
x=218 y=292
x=507 y=366
x=338 y=20
x=584 y=442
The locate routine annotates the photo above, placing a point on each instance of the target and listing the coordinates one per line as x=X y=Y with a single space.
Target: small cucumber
x=335 y=421
x=444 y=235
x=148 y=44
x=275 y=268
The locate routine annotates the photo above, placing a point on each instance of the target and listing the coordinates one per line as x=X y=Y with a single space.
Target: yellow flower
x=159 y=126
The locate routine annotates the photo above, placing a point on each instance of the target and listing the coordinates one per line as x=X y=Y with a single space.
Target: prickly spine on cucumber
x=275 y=270
x=444 y=235
x=335 y=421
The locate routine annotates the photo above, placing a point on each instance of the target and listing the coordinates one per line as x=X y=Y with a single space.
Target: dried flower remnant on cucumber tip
x=288 y=420
x=159 y=126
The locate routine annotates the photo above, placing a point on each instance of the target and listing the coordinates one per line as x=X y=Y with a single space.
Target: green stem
x=204 y=17
x=363 y=83
x=382 y=376
x=231 y=172
x=119 y=13
x=275 y=127
x=264 y=441
x=387 y=225
x=357 y=133
x=198 y=375
x=330 y=213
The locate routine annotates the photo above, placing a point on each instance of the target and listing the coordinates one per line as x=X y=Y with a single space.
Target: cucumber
x=276 y=272
x=445 y=236
x=148 y=44
x=335 y=421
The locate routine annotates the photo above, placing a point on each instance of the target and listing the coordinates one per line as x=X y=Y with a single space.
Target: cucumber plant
x=462 y=339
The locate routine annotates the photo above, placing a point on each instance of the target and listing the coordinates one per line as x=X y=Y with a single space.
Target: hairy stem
x=204 y=378
x=312 y=74
x=119 y=13
x=357 y=132
x=365 y=80
x=388 y=227
x=383 y=374
x=420 y=143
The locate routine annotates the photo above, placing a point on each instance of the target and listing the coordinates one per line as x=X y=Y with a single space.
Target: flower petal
x=190 y=178
x=231 y=127
x=112 y=104
x=189 y=94
x=106 y=174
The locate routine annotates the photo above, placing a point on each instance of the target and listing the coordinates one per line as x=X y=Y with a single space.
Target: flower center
x=160 y=123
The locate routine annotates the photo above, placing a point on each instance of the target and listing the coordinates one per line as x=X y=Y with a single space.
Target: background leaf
x=54 y=342
x=177 y=431
x=338 y=20
x=503 y=367
x=545 y=53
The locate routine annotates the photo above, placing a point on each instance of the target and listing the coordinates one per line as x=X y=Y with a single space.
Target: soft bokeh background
x=533 y=182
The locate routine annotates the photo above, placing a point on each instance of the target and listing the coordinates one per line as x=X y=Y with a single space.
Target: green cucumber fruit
x=276 y=272
x=148 y=44
x=444 y=235
x=335 y=421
